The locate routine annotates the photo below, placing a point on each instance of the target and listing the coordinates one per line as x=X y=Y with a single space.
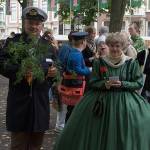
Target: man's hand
x=52 y=71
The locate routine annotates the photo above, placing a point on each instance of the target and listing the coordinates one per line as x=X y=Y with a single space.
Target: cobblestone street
x=50 y=135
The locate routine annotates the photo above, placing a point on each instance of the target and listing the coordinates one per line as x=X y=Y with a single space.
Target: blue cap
x=79 y=35
x=34 y=13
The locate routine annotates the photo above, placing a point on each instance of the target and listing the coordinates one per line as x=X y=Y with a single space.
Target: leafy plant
x=28 y=57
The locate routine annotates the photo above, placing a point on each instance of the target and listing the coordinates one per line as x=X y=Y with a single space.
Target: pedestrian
x=90 y=49
x=128 y=49
x=138 y=42
x=53 y=46
x=143 y=58
x=73 y=84
x=103 y=32
x=48 y=35
x=27 y=116
x=12 y=34
x=102 y=49
x=111 y=115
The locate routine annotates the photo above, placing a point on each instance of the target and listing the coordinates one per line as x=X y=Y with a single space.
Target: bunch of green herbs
x=27 y=56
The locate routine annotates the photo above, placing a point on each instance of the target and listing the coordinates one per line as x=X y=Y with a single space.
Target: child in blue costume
x=75 y=63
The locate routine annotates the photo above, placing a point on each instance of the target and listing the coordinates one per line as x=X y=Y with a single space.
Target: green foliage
x=27 y=56
x=135 y=3
x=88 y=10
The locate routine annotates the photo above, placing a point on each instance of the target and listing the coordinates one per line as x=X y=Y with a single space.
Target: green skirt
x=121 y=122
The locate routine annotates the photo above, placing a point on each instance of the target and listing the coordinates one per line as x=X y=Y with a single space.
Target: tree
x=89 y=11
x=117 y=11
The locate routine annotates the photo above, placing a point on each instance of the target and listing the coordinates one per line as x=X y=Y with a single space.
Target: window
x=55 y=30
x=35 y=3
x=66 y=29
x=20 y=13
x=148 y=4
x=106 y=23
x=148 y=30
x=1 y=15
x=13 y=12
x=44 y=5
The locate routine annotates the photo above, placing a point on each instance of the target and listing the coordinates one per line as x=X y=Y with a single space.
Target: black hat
x=79 y=35
x=34 y=13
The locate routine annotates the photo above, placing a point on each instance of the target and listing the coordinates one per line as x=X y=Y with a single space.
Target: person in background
x=89 y=52
x=138 y=42
x=48 y=35
x=143 y=58
x=129 y=50
x=12 y=34
x=27 y=116
x=111 y=115
x=102 y=49
x=53 y=46
x=103 y=32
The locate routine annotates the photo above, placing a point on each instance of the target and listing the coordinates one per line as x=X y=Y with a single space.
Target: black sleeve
x=147 y=65
x=141 y=57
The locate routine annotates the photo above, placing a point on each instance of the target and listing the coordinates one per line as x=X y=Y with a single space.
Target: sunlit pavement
x=50 y=135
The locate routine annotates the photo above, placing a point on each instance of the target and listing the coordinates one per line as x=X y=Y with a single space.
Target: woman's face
x=102 y=49
x=115 y=49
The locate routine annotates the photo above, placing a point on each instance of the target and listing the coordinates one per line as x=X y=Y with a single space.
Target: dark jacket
x=141 y=56
x=26 y=112
x=87 y=53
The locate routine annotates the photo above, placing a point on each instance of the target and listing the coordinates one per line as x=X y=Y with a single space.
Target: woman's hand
x=115 y=83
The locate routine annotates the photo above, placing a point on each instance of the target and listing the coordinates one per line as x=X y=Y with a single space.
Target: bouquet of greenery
x=27 y=56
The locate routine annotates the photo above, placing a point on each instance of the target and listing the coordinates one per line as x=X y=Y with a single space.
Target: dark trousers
x=69 y=111
x=26 y=141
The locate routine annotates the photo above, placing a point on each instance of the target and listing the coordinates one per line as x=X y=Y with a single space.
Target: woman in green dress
x=111 y=115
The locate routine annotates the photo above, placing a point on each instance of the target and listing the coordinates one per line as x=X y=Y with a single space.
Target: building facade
x=12 y=22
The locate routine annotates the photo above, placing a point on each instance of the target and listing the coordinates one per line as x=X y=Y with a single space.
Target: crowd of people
x=99 y=87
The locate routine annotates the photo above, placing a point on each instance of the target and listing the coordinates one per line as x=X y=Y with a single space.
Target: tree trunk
x=116 y=15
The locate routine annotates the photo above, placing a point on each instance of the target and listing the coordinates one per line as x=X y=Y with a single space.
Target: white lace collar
x=112 y=62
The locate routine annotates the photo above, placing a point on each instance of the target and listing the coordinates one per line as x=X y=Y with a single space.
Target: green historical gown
x=114 y=119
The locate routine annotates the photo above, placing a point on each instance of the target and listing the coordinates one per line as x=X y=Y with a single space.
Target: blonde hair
x=116 y=37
